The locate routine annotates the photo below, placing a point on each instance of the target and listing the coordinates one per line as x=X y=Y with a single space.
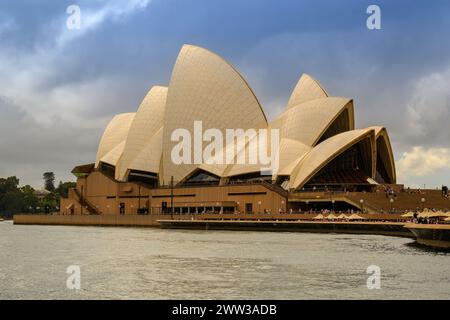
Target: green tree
x=11 y=200
x=49 y=181
x=63 y=188
x=8 y=184
x=24 y=200
x=51 y=201
x=30 y=201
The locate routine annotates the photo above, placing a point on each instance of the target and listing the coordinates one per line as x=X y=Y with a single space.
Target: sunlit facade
x=320 y=147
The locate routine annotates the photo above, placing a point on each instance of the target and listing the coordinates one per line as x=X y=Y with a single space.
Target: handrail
x=367 y=204
x=275 y=188
x=83 y=201
x=270 y=186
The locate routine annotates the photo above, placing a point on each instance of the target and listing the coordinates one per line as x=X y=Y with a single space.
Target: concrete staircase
x=85 y=203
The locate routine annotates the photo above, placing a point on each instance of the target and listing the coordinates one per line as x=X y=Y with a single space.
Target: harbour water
x=150 y=263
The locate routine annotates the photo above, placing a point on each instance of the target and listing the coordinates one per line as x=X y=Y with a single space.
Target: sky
x=59 y=88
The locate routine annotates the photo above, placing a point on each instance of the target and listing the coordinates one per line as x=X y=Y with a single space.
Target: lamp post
x=171 y=198
x=307 y=207
x=391 y=202
x=332 y=205
x=81 y=200
x=362 y=205
x=423 y=202
x=139 y=198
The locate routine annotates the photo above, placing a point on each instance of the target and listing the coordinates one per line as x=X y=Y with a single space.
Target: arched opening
x=148 y=178
x=250 y=177
x=348 y=171
x=107 y=169
x=342 y=123
x=201 y=177
x=384 y=173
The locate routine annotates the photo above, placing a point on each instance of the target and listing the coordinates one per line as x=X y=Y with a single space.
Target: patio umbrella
x=409 y=214
x=356 y=217
x=437 y=214
x=424 y=214
x=331 y=216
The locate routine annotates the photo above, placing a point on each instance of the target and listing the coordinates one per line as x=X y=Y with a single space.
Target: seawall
x=432 y=235
x=377 y=228
x=254 y=222
x=90 y=220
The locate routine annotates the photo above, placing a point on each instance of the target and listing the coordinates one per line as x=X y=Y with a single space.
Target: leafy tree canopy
x=49 y=181
x=15 y=199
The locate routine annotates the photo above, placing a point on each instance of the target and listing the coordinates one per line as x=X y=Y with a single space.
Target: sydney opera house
x=323 y=159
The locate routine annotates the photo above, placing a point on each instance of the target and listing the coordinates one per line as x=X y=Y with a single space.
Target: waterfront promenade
x=361 y=227
x=385 y=224
x=434 y=235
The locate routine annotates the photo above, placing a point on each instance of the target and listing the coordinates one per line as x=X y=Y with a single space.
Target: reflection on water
x=132 y=263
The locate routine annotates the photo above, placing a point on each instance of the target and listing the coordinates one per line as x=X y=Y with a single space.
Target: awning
x=83 y=170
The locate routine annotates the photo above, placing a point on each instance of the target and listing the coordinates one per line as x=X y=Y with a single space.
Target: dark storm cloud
x=28 y=148
x=69 y=85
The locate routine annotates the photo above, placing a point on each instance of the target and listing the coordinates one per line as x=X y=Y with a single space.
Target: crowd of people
x=389 y=191
x=324 y=211
x=444 y=192
x=428 y=216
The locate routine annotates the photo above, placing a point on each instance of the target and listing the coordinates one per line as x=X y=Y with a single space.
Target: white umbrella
x=424 y=214
x=437 y=214
x=356 y=217
x=409 y=214
x=331 y=216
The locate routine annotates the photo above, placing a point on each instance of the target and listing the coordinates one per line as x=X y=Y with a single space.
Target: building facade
x=318 y=148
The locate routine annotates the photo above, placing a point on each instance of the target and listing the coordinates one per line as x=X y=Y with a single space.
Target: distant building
x=41 y=193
